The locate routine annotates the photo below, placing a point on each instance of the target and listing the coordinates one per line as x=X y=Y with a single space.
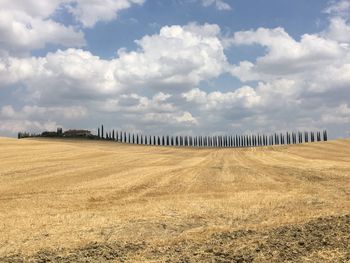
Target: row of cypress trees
x=215 y=141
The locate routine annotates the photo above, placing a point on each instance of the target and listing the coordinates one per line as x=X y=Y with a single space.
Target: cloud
x=219 y=4
x=341 y=115
x=163 y=85
x=306 y=60
x=24 y=29
x=338 y=30
x=177 y=58
x=27 y=25
x=338 y=8
x=89 y=12
x=41 y=113
x=245 y=97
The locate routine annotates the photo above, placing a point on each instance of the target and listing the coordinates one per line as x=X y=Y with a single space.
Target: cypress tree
x=325 y=136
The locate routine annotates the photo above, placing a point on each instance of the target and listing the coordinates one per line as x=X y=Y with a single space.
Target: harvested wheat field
x=88 y=201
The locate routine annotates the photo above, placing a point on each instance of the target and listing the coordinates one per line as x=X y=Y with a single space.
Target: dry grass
x=59 y=194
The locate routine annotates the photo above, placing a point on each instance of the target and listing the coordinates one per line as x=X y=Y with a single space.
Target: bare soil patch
x=320 y=240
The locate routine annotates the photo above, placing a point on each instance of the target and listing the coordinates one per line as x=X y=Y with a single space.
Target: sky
x=190 y=67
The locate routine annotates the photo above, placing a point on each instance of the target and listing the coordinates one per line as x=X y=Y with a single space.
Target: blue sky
x=175 y=66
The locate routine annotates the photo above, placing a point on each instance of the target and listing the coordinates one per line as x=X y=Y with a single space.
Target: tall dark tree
x=325 y=136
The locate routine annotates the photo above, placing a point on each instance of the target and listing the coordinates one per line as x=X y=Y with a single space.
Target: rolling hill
x=76 y=200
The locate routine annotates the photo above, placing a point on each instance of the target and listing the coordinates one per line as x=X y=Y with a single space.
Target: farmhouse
x=77 y=133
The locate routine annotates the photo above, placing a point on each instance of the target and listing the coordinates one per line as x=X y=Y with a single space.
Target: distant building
x=59 y=131
x=77 y=133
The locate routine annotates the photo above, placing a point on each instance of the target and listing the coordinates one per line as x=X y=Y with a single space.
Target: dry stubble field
x=87 y=201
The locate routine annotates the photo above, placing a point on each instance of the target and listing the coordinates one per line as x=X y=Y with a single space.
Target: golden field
x=69 y=200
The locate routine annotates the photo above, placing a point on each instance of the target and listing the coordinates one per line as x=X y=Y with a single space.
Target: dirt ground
x=86 y=201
